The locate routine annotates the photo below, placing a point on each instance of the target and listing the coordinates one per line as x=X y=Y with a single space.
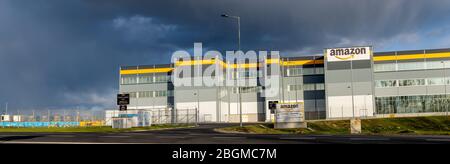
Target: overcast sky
x=63 y=54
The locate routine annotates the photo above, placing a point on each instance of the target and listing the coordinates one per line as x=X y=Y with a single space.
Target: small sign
x=122 y=108
x=273 y=104
x=123 y=99
x=290 y=112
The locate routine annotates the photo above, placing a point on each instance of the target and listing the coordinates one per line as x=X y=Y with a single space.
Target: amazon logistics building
x=341 y=83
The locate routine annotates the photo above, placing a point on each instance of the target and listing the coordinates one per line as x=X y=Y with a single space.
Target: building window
x=294 y=71
x=411 y=82
x=435 y=81
x=384 y=67
x=412 y=104
x=161 y=79
x=160 y=93
x=145 y=79
x=132 y=94
x=145 y=94
x=248 y=74
x=246 y=89
x=320 y=86
x=309 y=87
x=385 y=83
x=411 y=65
x=170 y=93
x=308 y=71
x=128 y=80
x=294 y=87
x=319 y=70
x=435 y=64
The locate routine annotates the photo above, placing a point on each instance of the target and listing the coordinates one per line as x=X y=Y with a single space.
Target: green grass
x=103 y=129
x=435 y=125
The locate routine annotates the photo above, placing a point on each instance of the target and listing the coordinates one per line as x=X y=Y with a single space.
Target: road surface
x=205 y=134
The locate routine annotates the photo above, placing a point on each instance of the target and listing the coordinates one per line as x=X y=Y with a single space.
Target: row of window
x=401 y=66
x=246 y=74
x=411 y=82
x=149 y=94
x=298 y=71
x=144 y=79
x=306 y=87
x=412 y=104
x=246 y=89
x=149 y=79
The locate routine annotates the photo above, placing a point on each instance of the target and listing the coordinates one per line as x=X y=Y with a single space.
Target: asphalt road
x=205 y=134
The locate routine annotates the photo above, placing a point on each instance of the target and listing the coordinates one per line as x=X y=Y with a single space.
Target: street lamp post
x=445 y=88
x=239 y=48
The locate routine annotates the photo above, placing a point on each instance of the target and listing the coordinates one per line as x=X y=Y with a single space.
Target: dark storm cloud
x=61 y=54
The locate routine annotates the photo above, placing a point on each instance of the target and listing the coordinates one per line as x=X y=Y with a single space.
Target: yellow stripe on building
x=221 y=63
x=412 y=56
x=195 y=62
x=438 y=55
x=301 y=62
x=147 y=70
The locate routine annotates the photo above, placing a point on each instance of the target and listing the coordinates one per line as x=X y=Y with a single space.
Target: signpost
x=123 y=121
x=290 y=115
x=122 y=108
x=123 y=99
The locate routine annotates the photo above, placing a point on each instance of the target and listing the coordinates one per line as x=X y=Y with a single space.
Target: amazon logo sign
x=345 y=54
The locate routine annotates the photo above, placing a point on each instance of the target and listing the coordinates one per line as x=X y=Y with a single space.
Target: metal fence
x=147 y=117
x=52 y=118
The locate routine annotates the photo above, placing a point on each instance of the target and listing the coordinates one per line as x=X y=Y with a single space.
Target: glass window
x=384 y=67
x=145 y=94
x=411 y=65
x=294 y=87
x=320 y=86
x=160 y=93
x=132 y=94
x=248 y=74
x=170 y=93
x=412 y=82
x=385 y=83
x=235 y=90
x=128 y=79
x=250 y=89
x=412 y=104
x=319 y=70
x=309 y=87
x=161 y=79
x=435 y=64
x=436 y=81
x=145 y=79
x=294 y=71
x=246 y=89
x=308 y=71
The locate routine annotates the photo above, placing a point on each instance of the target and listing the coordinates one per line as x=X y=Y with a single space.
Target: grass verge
x=434 y=125
x=102 y=129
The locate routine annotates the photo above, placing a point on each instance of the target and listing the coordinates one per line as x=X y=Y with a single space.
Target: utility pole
x=239 y=49
x=445 y=90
